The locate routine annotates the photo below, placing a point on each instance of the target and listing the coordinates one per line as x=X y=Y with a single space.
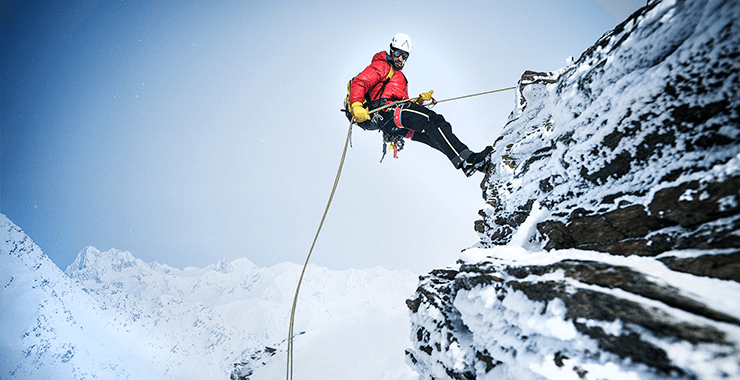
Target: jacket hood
x=380 y=56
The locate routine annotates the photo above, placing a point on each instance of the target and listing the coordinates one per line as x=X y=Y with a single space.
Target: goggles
x=400 y=53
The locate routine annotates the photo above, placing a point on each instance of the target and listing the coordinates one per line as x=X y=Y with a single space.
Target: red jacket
x=370 y=81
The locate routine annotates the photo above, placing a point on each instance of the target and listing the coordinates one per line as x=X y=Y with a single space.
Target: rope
x=480 y=93
x=289 y=369
x=289 y=373
x=389 y=105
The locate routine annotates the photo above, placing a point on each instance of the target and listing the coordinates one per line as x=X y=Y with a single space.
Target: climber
x=383 y=82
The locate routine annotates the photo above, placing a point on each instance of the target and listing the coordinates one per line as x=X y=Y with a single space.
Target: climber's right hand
x=359 y=112
x=425 y=96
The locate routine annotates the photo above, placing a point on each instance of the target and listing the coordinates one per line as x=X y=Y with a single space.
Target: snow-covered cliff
x=610 y=236
x=113 y=316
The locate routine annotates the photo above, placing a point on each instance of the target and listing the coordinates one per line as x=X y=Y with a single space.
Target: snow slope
x=112 y=316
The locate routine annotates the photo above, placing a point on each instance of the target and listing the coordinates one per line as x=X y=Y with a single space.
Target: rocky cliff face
x=610 y=240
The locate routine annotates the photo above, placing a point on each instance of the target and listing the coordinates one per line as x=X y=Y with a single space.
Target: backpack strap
x=385 y=83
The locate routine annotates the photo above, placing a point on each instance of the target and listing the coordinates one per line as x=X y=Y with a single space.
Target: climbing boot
x=476 y=161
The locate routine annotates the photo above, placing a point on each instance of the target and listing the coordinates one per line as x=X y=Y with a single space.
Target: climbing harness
x=396 y=144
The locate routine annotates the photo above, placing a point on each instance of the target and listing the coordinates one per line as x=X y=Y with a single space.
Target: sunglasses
x=400 y=53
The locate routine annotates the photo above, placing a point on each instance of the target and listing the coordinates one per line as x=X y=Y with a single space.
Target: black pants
x=426 y=126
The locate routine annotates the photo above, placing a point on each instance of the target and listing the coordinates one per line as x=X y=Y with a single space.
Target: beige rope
x=289 y=373
x=389 y=105
x=480 y=93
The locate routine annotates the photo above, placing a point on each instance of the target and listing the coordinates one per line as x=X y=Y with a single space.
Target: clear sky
x=190 y=131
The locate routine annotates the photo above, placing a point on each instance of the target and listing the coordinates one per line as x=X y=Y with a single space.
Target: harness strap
x=397 y=119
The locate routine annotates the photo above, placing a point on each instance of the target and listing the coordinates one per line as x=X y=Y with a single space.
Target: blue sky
x=187 y=132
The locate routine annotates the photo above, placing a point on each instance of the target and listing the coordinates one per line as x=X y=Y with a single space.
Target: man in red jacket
x=384 y=82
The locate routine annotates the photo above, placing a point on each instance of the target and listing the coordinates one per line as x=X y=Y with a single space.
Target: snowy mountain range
x=112 y=316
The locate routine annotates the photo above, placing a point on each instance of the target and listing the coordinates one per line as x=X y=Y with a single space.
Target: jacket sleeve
x=364 y=82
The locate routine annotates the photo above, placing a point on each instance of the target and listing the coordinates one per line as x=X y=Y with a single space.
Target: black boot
x=476 y=158
x=476 y=161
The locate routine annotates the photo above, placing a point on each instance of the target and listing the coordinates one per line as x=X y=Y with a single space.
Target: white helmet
x=402 y=41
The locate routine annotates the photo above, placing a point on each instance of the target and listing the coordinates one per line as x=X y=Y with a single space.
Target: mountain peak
x=91 y=263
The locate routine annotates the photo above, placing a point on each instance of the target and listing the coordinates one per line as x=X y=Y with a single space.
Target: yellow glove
x=359 y=112
x=424 y=97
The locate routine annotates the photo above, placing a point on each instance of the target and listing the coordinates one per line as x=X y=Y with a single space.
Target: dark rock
x=722 y=266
